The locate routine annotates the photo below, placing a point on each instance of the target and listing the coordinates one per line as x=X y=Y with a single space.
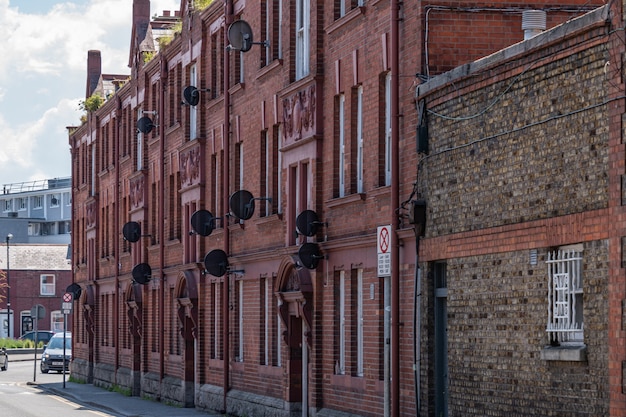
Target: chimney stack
x=94 y=71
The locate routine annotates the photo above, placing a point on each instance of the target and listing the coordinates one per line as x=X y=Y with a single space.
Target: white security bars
x=565 y=297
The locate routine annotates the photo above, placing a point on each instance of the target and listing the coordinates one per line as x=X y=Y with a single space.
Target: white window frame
x=37 y=202
x=359 y=139
x=565 y=296
x=388 y=129
x=56 y=321
x=8 y=205
x=279 y=202
x=240 y=318
x=303 y=22
x=139 y=150
x=47 y=289
x=193 y=110
x=359 y=325
x=342 y=324
x=22 y=203
x=266 y=322
x=342 y=145
x=267 y=156
x=279 y=327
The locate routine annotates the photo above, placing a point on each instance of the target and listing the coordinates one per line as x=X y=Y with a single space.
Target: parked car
x=4 y=360
x=52 y=358
x=42 y=336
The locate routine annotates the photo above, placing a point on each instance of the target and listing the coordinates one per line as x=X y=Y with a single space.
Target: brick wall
x=519 y=162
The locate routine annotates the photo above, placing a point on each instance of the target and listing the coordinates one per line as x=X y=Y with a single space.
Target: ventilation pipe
x=533 y=23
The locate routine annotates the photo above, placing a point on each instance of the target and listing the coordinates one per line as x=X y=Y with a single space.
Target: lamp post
x=9 y=237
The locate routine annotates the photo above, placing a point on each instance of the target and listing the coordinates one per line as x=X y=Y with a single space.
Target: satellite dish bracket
x=265 y=43
x=213 y=219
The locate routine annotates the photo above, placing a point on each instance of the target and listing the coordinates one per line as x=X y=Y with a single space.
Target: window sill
x=564 y=353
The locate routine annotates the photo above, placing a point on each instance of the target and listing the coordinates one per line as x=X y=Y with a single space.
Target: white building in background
x=37 y=211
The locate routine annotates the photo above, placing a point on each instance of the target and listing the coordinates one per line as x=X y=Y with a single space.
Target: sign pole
x=35 y=361
x=66 y=307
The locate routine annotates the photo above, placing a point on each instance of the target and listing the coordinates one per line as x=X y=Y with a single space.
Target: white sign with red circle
x=383 y=246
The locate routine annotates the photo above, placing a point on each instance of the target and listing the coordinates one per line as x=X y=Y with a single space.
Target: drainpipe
x=161 y=114
x=116 y=227
x=228 y=10
x=395 y=247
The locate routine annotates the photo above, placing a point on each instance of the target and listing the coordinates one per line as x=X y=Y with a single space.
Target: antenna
x=307 y=223
x=216 y=262
x=75 y=289
x=240 y=36
x=241 y=204
x=310 y=255
x=142 y=273
x=191 y=95
x=203 y=222
x=145 y=124
x=132 y=231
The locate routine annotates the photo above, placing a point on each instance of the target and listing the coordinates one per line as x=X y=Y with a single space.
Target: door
x=441 y=340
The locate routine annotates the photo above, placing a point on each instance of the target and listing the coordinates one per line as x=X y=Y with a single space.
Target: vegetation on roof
x=202 y=4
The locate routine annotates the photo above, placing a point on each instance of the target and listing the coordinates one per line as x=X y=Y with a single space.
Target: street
x=19 y=397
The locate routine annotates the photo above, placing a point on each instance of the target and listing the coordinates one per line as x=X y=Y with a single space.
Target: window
x=193 y=110
x=47 y=284
x=55 y=200
x=57 y=319
x=37 y=202
x=8 y=205
x=67 y=198
x=344 y=6
x=357 y=281
x=271 y=17
x=341 y=319
x=387 y=133
x=341 y=122
x=565 y=296
x=302 y=38
x=21 y=203
x=359 y=139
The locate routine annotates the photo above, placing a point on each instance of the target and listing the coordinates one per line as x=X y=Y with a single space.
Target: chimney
x=533 y=22
x=94 y=70
x=141 y=12
x=166 y=13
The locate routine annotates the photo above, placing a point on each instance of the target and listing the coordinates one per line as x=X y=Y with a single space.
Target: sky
x=43 y=75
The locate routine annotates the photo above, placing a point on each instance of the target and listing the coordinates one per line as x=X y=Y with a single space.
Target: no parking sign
x=383 y=246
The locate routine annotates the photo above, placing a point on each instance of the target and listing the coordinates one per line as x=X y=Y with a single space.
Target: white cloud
x=43 y=75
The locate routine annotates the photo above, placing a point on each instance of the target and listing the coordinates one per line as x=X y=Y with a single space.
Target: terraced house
x=357 y=208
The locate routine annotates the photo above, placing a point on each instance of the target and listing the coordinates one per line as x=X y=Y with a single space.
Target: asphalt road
x=20 y=398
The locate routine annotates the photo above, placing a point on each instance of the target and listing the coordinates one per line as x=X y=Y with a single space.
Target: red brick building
x=38 y=275
x=245 y=213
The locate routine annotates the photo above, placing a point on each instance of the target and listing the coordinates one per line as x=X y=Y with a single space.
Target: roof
x=35 y=257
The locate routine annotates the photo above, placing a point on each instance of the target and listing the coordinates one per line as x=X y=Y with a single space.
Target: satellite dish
x=242 y=204
x=310 y=255
x=75 y=290
x=216 y=262
x=202 y=222
x=240 y=35
x=145 y=125
x=307 y=222
x=191 y=95
x=132 y=231
x=142 y=273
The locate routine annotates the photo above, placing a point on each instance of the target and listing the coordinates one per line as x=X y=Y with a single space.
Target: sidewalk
x=108 y=401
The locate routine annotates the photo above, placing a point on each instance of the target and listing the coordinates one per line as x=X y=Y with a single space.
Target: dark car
x=4 y=360
x=42 y=336
x=52 y=358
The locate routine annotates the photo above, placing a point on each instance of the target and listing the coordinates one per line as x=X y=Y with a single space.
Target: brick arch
x=294 y=287
x=186 y=293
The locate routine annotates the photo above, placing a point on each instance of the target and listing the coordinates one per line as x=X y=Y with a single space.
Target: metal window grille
x=565 y=297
